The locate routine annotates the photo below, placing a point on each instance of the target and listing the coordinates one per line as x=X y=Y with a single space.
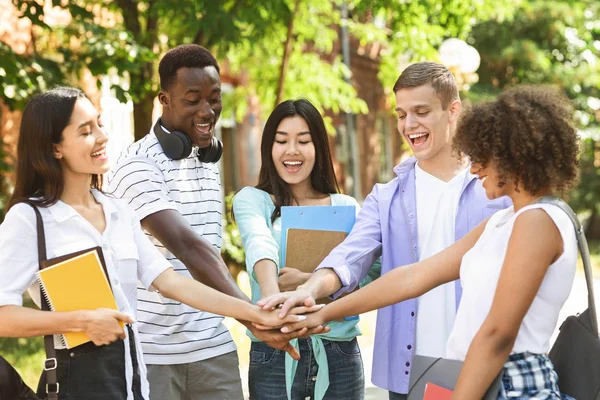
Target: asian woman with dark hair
x=296 y=170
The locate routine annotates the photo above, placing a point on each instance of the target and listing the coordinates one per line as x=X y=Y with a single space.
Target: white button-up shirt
x=128 y=253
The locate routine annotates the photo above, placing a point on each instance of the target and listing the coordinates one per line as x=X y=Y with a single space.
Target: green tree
x=286 y=47
x=413 y=30
x=554 y=43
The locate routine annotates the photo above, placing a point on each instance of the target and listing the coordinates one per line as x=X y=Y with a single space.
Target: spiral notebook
x=76 y=281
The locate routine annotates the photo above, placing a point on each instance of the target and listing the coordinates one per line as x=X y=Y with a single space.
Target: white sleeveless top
x=479 y=274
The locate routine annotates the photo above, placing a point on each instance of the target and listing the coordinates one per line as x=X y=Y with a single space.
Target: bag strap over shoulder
x=51 y=362
x=585 y=254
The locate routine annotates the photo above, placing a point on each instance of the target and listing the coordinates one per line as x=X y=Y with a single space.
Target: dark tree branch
x=287 y=49
x=130 y=16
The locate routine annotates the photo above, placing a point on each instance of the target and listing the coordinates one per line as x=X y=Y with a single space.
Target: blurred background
x=344 y=56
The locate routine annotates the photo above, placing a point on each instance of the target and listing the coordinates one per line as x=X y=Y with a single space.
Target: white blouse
x=128 y=253
x=479 y=274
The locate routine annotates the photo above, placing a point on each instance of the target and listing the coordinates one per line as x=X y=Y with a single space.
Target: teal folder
x=326 y=218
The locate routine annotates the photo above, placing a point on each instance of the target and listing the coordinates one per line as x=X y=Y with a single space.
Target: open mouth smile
x=204 y=129
x=100 y=154
x=293 y=166
x=417 y=139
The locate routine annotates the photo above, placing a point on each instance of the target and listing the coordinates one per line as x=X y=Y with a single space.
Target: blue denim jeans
x=266 y=376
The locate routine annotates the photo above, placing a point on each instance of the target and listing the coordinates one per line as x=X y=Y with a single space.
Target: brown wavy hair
x=430 y=73
x=528 y=133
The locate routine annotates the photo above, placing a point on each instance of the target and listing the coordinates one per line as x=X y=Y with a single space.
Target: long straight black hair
x=38 y=173
x=322 y=177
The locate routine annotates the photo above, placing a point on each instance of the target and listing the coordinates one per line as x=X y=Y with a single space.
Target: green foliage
x=546 y=42
x=232 y=248
x=555 y=43
x=131 y=35
x=587 y=194
x=414 y=29
x=23 y=76
x=312 y=72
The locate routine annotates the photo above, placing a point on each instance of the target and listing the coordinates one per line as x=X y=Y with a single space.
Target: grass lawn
x=27 y=355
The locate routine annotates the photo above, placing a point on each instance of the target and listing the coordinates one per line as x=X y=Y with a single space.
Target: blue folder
x=326 y=218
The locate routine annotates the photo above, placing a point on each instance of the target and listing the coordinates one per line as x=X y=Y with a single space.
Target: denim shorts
x=266 y=376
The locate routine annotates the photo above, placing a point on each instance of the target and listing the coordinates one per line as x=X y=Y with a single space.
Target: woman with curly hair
x=518 y=266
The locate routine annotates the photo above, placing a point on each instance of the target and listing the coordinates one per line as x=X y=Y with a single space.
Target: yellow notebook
x=77 y=281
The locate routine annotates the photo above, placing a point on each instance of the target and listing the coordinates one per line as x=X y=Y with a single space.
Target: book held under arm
x=76 y=281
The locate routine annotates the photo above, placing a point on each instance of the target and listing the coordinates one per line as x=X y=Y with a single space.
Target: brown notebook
x=306 y=248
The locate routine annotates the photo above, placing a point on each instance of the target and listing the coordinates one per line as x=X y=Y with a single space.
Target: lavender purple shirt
x=387 y=227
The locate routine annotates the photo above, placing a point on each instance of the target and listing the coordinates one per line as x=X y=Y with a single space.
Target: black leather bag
x=12 y=386
x=576 y=352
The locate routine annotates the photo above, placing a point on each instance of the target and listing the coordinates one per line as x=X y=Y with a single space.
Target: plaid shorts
x=530 y=376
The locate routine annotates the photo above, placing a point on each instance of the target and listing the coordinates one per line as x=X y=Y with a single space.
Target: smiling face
x=293 y=151
x=424 y=124
x=495 y=186
x=82 y=150
x=192 y=104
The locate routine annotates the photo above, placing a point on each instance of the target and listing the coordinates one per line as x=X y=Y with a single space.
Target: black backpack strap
x=585 y=254
x=51 y=362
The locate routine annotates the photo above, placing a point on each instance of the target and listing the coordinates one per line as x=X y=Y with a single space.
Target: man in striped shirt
x=178 y=198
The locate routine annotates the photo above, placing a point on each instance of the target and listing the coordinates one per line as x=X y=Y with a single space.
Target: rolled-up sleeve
x=18 y=254
x=251 y=216
x=354 y=257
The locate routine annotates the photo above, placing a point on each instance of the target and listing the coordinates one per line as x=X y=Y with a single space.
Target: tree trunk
x=142 y=116
x=287 y=50
x=148 y=37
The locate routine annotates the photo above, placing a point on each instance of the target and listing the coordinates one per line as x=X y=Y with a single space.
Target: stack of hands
x=289 y=314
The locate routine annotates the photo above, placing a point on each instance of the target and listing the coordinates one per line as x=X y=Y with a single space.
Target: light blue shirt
x=253 y=209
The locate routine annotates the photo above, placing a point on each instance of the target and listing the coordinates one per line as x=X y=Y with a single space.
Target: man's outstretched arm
x=205 y=265
x=201 y=258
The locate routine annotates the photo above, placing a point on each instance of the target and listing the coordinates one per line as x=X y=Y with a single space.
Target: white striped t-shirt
x=171 y=332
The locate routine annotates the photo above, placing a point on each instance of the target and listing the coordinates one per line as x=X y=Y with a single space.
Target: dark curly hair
x=529 y=135
x=183 y=56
